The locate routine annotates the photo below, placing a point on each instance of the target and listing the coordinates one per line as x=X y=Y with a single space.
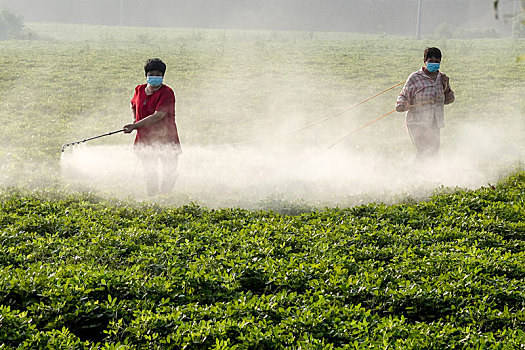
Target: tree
x=11 y=25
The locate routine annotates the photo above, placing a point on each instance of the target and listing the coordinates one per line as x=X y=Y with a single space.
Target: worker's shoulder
x=416 y=75
x=167 y=88
x=167 y=91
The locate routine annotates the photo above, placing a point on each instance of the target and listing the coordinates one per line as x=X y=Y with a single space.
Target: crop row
x=79 y=271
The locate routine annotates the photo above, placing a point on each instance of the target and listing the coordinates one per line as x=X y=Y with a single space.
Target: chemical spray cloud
x=372 y=165
x=375 y=164
x=246 y=175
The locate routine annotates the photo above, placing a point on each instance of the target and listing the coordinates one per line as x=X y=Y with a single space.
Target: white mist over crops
x=250 y=175
x=240 y=148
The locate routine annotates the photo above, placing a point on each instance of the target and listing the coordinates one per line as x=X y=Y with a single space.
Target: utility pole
x=515 y=19
x=418 y=35
x=121 y=11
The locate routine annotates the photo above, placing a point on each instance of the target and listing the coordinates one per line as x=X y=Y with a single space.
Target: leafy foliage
x=81 y=272
x=12 y=26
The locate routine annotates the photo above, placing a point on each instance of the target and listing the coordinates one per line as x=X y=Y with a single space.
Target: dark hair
x=432 y=52
x=154 y=64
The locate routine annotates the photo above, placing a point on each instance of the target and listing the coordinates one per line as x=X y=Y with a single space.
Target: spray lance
x=89 y=139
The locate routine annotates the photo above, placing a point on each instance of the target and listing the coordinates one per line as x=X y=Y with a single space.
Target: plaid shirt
x=424 y=98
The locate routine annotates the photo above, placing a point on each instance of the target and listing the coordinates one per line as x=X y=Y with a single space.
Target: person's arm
x=149 y=120
x=403 y=100
x=134 y=112
x=133 y=108
x=447 y=91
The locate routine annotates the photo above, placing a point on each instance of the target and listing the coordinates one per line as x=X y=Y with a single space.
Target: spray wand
x=89 y=139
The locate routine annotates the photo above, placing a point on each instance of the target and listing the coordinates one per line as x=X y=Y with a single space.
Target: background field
x=241 y=85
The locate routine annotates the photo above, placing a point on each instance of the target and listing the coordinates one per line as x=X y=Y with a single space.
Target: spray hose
x=310 y=125
x=296 y=130
x=360 y=128
x=432 y=100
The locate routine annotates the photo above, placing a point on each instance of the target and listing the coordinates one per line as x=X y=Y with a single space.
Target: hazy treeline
x=367 y=16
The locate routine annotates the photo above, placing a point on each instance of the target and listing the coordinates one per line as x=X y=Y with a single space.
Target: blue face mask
x=154 y=80
x=432 y=67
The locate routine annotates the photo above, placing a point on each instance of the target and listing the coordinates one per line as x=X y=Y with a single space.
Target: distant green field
x=233 y=86
x=443 y=267
x=236 y=85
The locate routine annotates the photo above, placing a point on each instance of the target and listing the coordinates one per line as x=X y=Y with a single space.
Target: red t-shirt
x=164 y=131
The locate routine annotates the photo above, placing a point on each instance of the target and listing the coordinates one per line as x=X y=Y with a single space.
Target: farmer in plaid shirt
x=424 y=95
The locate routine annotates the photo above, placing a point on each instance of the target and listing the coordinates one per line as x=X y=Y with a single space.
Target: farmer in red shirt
x=424 y=95
x=157 y=139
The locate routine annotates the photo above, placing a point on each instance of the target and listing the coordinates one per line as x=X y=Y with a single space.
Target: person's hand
x=401 y=107
x=129 y=128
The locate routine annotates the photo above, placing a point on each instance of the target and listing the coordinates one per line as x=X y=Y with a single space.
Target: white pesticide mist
x=375 y=164
x=255 y=175
x=255 y=92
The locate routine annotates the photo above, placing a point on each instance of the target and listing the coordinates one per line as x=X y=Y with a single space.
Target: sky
x=380 y=16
